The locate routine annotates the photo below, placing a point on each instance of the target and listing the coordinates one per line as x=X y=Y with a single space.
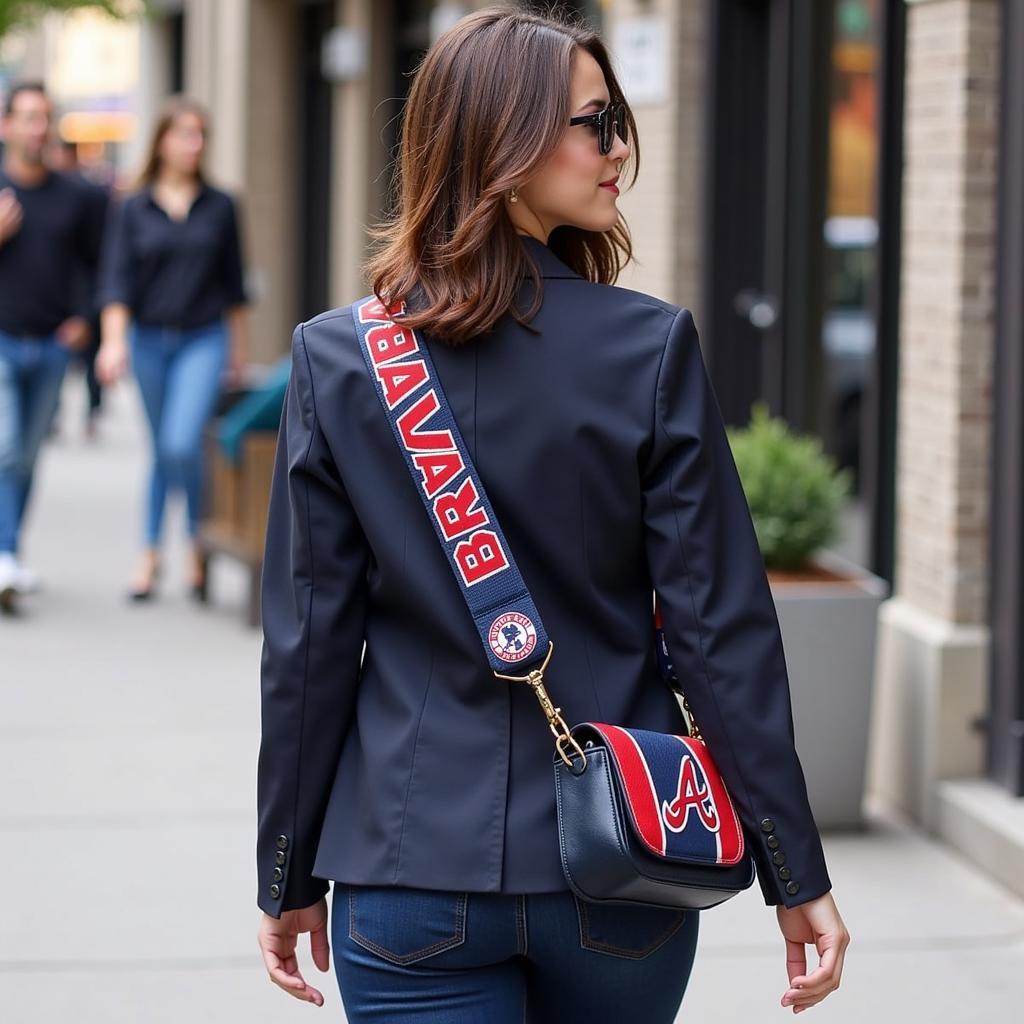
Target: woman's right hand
x=816 y=922
x=278 y=939
x=111 y=360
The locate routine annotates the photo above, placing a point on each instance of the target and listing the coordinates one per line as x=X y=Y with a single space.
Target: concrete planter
x=828 y=616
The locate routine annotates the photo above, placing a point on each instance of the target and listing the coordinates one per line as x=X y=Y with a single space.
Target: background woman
x=392 y=760
x=172 y=294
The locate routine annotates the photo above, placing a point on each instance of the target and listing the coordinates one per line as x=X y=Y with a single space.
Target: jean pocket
x=625 y=930
x=405 y=926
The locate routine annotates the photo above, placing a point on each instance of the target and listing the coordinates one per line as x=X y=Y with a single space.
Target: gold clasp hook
x=556 y=723
x=691 y=722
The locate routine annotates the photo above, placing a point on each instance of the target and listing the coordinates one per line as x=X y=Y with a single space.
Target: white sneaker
x=8 y=579
x=16 y=577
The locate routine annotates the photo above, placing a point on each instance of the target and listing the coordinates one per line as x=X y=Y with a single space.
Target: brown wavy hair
x=488 y=104
x=170 y=110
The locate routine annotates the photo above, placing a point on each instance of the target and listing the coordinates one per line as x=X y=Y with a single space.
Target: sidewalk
x=128 y=749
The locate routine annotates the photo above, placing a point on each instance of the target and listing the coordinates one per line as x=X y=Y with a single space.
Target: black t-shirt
x=173 y=273
x=56 y=248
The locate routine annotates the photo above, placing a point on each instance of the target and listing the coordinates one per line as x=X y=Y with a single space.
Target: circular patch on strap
x=512 y=636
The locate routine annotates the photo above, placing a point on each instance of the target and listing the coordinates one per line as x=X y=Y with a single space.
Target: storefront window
x=851 y=234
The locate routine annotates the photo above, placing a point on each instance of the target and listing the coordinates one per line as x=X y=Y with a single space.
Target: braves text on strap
x=446 y=480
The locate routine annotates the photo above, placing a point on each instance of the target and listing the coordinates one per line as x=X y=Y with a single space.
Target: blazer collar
x=547 y=262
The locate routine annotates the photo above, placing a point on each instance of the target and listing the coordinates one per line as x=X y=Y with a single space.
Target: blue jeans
x=179 y=375
x=404 y=955
x=31 y=371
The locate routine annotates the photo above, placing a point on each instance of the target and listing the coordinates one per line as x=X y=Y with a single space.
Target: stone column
x=358 y=183
x=664 y=209
x=932 y=661
x=216 y=73
x=270 y=205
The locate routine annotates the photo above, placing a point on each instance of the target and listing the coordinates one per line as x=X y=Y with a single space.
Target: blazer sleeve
x=313 y=602
x=720 y=621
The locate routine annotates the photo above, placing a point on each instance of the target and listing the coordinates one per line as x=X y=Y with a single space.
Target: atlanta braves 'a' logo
x=512 y=636
x=690 y=792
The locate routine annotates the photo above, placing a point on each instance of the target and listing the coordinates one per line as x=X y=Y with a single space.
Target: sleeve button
x=767 y=825
x=275 y=890
x=773 y=842
x=792 y=888
x=278 y=874
x=778 y=858
x=785 y=874
x=279 y=858
x=282 y=842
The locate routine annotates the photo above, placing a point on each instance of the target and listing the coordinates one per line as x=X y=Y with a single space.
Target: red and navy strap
x=446 y=480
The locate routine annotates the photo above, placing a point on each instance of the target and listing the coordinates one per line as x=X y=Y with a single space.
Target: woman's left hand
x=278 y=938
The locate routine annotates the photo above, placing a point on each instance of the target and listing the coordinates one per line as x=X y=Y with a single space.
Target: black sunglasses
x=609 y=122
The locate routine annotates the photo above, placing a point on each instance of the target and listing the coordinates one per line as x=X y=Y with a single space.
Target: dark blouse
x=173 y=273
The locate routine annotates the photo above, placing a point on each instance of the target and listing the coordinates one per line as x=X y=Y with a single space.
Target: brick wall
x=947 y=306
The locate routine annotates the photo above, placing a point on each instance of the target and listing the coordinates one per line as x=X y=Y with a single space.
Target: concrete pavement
x=128 y=740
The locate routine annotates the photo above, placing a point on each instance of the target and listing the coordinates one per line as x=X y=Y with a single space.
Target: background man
x=49 y=232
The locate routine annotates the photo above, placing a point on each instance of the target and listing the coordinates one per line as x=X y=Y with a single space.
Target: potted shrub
x=827 y=606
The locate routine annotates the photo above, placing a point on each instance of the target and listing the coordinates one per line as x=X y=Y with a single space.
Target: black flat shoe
x=199 y=587
x=147 y=593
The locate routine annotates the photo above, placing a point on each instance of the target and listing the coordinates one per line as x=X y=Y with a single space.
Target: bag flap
x=677 y=803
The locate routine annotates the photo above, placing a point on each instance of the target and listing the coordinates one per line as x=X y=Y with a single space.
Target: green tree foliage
x=21 y=13
x=793 y=488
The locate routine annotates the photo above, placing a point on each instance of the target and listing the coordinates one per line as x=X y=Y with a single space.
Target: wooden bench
x=237 y=496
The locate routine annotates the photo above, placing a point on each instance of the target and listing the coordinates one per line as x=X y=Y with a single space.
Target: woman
x=409 y=774
x=171 y=292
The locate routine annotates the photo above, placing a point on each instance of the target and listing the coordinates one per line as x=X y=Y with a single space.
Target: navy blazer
x=602 y=448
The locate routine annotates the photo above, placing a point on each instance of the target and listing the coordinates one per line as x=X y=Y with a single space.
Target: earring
x=512 y=197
